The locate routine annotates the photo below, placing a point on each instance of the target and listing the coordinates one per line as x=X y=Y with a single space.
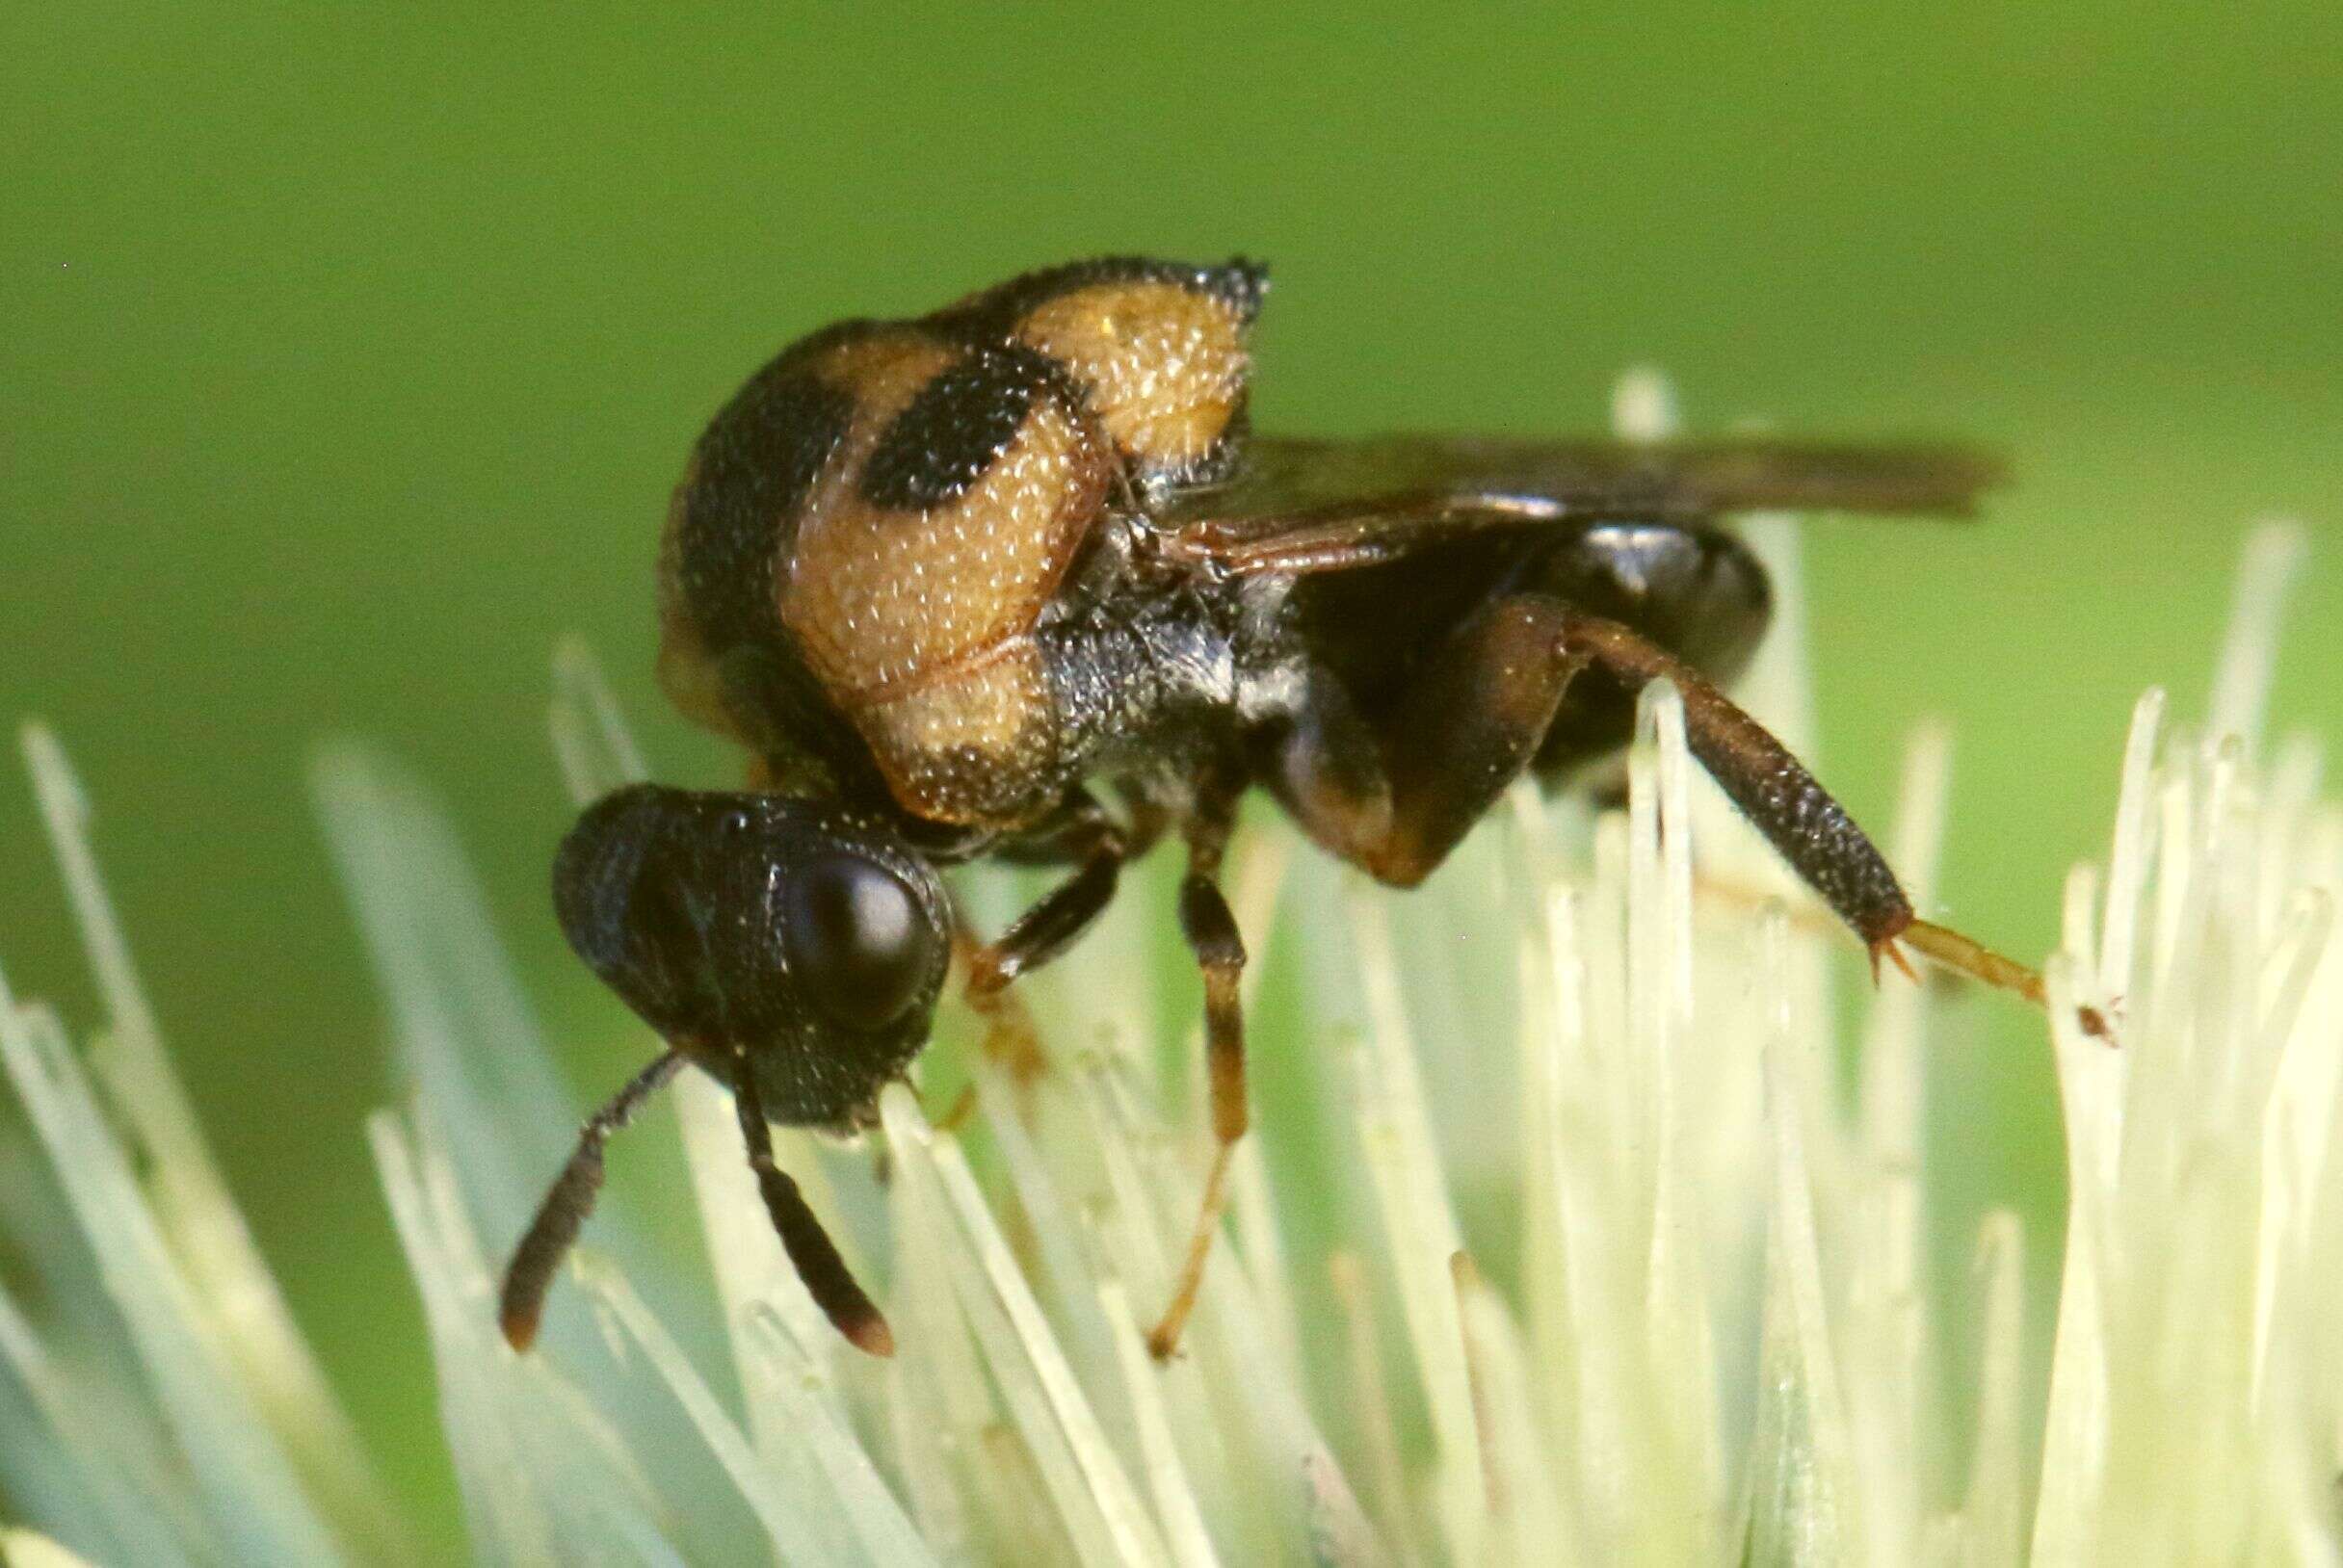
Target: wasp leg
x=1325 y=767
x=1009 y=1040
x=1468 y=725
x=1082 y=833
x=1461 y=737
x=1772 y=788
x=1212 y=937
x=1476 y=716
x=570 y=1199
x=1098 y=847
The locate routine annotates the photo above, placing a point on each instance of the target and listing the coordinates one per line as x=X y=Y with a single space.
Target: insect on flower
x=948 y=577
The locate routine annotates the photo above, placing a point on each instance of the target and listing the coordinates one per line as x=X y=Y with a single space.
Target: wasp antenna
x=559 y=1219
x=811 y=1252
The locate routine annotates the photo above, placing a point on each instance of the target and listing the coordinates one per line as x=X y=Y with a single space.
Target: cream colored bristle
x=1571 y=1248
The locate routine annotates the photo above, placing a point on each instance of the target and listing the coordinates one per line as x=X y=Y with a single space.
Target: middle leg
x=1212 y=937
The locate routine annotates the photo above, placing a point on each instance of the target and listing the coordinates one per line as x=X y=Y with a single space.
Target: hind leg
x=1546 y=676
x=1695 y=592
x=1478 y=714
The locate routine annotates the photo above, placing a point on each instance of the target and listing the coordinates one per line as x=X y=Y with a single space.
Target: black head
x=796 y=940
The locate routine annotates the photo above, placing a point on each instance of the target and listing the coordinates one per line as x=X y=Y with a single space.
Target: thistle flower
x=1560 y=1244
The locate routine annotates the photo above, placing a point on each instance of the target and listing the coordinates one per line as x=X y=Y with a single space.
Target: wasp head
x=792 y=940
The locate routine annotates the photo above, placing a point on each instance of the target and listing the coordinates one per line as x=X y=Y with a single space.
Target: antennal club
x=563 y=1214
x=815 y=1257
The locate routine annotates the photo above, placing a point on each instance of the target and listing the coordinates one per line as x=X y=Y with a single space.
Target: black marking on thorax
x=997 y=310
x=754 y=469
x=956 y=427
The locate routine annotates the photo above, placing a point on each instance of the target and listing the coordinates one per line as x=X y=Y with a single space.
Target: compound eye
x=857 y=940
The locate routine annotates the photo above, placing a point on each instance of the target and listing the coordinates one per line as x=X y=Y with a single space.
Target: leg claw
x=1887 y=948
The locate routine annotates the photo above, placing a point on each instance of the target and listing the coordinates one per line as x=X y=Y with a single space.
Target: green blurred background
x=346 y=355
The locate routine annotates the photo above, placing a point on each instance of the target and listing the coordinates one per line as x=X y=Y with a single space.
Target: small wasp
x=943 y=575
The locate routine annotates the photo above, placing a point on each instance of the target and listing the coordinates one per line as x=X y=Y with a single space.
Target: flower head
x=1560 y=1243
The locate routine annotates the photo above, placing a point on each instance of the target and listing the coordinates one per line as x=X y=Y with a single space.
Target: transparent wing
x=1305 y=505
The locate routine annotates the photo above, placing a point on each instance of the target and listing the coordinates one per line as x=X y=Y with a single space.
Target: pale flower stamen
x=1559 y=1238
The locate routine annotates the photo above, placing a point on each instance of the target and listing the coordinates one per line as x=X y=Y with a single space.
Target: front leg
x=1080 y=832
x=1084 y=833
